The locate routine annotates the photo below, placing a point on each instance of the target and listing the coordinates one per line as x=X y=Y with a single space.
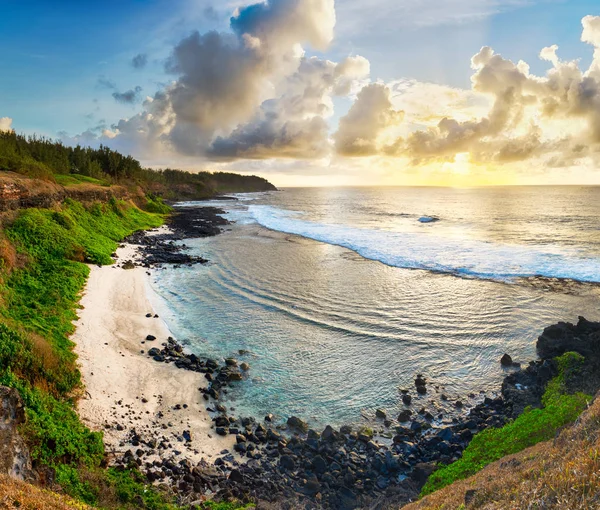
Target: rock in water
x=506 y=360
x=296 y=423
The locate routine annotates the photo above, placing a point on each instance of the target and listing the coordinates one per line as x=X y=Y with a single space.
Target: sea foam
x=463 y=257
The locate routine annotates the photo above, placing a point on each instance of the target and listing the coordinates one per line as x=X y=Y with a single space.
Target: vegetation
x=533 y=426
x=43 y=158
x=561 y=473
x=41 y=275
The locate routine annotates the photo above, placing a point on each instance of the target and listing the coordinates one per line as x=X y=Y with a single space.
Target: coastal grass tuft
x=533 y=426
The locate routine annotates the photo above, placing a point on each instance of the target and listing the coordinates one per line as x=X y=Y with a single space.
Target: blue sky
x=63 y=62
x=55 y=52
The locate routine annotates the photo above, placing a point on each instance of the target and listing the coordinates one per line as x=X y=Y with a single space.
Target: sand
x=111 y=328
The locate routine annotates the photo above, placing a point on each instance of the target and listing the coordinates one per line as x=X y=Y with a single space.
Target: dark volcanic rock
x=506 y=360
x=584 y=338
x=298 y=424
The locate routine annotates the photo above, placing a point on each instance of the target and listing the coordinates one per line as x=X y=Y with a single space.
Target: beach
x=125 y=390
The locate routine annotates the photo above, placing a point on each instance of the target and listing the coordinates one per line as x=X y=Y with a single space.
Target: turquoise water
x=342 y=296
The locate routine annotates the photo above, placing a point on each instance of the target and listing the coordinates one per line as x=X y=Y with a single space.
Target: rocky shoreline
x=290 y=463
x=165 y=248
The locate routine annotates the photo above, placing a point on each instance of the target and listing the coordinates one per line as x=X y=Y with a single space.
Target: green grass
x=533 y=426
x=74 y=179
x=39 y=297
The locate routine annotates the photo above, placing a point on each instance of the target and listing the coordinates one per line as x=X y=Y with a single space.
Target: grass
x=42 y=273
x=563 y=473
x=533 y=426
x=75 y=179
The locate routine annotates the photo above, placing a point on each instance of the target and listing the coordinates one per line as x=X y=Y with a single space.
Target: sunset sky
x=316 y=92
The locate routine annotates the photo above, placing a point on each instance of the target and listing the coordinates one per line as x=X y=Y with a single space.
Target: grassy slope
x=533 y=426
x=42 y=274
x=563 y=473
x=43 y=256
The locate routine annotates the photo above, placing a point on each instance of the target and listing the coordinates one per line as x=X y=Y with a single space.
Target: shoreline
x=126 y=392
x=158 y=402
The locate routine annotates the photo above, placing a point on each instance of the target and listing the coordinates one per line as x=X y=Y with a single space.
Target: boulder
x=296 y=423
x=15 y=460
x=506 y=360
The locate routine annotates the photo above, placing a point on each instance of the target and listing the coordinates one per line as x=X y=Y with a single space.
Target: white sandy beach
x=117 y=376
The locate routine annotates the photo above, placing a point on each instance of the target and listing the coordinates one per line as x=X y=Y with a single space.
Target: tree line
x=44 y=158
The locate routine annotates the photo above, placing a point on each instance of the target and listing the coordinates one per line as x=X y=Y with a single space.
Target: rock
x=221 y=421
x=287 y=463
x=231 y=362
x=128 y=264
x=15 y=460
x=421 y=472
x=222 y=431
x=269 y=418
x=319 y=465
x=312 y=487
x=149 y=338
x=421 y=390
x=506 y=360
x=469 y=497
x=406 y=399
x=245 y=366
x=404 y=415
x=296 y=423
x=236 y=476
x=154 y=352
x=380 y=414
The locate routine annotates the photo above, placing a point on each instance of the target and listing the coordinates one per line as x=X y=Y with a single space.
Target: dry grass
x=8 y=255
x=563 y=473
x=15 y=494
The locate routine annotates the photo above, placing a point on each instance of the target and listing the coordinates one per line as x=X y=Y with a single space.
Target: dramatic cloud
x=139 y=61
x=368 y=117
x=254 y=93
x=293 y=125
x=250 y=92
x=5 y=124
x=555 y=118
x=127 y=97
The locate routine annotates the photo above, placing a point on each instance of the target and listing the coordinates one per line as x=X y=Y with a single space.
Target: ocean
x=341 y=296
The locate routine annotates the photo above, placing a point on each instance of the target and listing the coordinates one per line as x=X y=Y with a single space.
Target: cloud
x=105 y=83
x=360 y=16
x=249 y=91
x=553 y=118
x=127 y=97
x=293 y=125
x=139 y=61
x=5 y=124
x=210 y=13
x=369 y=116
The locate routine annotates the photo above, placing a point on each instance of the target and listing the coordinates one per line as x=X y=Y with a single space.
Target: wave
x=469 y=258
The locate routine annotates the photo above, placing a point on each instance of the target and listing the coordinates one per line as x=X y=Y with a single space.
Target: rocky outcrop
x=14 y=454
x=583 y=337
x=20 y=192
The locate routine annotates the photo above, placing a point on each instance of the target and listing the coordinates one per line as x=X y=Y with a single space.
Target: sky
x=315 y=92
